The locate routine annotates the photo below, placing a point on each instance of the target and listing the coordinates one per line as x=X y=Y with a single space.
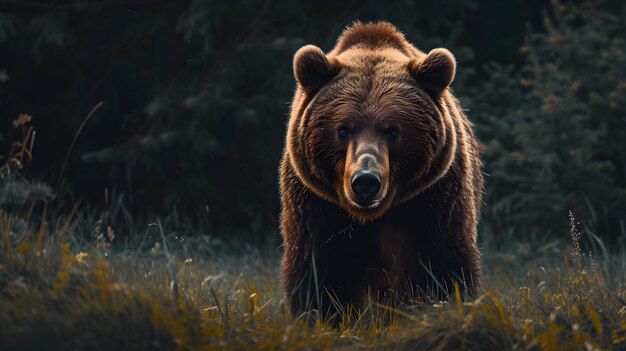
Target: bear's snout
x=367 y=193
x=366 y=184
x=366 y=174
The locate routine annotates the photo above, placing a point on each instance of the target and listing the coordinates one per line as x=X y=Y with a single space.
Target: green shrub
x=554 y=131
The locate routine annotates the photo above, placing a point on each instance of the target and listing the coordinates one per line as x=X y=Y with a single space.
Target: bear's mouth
x=372 y=204
x=369 y=204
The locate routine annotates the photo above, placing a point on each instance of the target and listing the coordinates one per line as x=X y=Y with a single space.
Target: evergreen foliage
x=554 y=129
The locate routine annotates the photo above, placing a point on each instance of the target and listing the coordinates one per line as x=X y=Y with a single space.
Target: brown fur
x=376 y=103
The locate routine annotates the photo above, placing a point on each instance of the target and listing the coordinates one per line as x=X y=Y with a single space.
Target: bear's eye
x=344 y=132
x=391 y=132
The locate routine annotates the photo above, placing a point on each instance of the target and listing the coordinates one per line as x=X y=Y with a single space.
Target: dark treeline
x=196 y=99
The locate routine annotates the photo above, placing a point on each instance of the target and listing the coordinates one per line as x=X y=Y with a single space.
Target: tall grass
x=160 y=291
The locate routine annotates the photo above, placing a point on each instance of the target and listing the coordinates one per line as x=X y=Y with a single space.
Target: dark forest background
x=196 y=94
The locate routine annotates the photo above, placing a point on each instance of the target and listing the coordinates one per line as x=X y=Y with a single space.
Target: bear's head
x=370 y=126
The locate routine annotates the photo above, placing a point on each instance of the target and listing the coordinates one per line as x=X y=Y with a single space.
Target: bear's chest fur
x=388 y=254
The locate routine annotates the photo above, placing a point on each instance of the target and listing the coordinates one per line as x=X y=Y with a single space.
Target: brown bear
x=380 y=179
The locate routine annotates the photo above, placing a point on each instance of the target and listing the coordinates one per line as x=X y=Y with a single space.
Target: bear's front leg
x=324 y=265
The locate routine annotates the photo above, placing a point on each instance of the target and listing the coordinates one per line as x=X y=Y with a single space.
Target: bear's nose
x=365 y=185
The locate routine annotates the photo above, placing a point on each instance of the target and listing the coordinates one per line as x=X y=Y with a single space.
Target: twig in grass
x=69 y=150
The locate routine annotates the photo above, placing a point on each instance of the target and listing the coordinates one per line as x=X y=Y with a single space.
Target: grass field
x=161 y=291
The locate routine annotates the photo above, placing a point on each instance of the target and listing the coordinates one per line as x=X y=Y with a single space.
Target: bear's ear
x=312 y=69
x=434 y=72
